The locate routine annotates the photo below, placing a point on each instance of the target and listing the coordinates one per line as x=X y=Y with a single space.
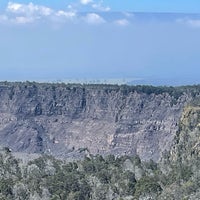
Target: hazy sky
x=89 y=39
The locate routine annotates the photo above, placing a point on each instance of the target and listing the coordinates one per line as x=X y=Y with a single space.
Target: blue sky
x=90 y=39
x=183 y=6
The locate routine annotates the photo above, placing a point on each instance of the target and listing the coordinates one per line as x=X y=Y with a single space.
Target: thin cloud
x=93 y=18
x=28 y=13
x=85 y=2
x=195 y=23
x=128 y=14
x=122 y=22
x=100 y=7
x=29 y=9
x=3 y=18
x=69 y=14
x=70 y=7
x=19 y=13
x=23 y=20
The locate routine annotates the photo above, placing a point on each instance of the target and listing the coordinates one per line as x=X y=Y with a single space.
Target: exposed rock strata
x=64 y=119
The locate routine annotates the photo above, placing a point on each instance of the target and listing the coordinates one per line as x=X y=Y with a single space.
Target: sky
x=138 y=42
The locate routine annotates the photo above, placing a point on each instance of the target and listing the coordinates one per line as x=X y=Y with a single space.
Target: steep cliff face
x=186 y=148
x=181 y=164
x=64 y=120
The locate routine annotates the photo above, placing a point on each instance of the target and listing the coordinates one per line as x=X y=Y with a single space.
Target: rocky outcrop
x=181 y=163
x=65 y=120
x=186 y=147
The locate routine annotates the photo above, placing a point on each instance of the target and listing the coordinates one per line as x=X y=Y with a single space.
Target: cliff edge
x=65 y=119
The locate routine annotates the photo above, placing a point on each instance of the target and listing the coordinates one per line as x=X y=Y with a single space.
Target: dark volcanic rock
x=63 y=119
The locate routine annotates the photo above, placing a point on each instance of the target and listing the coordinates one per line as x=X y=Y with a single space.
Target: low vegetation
x=95 y=178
